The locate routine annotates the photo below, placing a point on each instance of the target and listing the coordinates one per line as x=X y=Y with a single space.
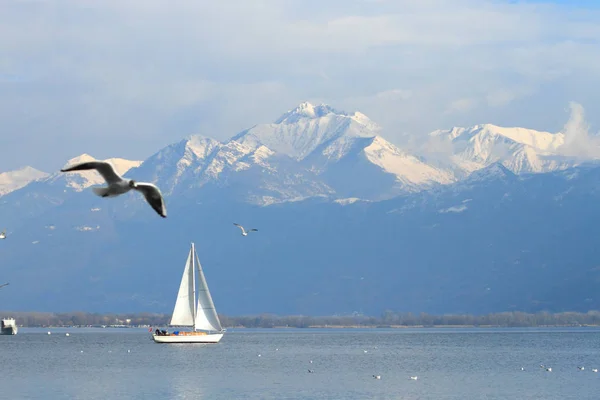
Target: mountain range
x=495 y=219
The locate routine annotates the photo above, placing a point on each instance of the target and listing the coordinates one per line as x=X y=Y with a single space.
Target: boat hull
x=208 y=338
x=9 y=330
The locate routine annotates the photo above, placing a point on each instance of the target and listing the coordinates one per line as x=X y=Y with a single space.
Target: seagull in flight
x=3 y=234
x=244 y=231
x=117 y=185
x=4 y=284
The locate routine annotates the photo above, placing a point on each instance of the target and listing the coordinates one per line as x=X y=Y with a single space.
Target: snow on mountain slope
x=256 y=174
x=13 y=180
x=520 y=150
x=81 y=180
x=298 y=132
x=408 y=169
x=344 y=148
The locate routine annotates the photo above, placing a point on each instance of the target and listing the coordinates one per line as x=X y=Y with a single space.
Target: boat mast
x=194 y=282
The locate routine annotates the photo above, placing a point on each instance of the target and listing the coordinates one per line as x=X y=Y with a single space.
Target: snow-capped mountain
x=301 y=131
x=256 y=175
x=518 y=149
x=13 y=180
x=346 y=151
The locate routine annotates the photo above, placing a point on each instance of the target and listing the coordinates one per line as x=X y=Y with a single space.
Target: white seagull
x=244 y=231
x=3 y=234
x=117 y=185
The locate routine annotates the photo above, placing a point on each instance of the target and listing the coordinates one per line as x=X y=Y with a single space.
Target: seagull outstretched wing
x=153 y=197
x=104 y=168
x=241 y=227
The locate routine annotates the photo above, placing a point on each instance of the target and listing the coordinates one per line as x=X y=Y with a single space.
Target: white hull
x=210 y=338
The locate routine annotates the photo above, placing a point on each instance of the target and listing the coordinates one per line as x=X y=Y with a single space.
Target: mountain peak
x=307 y=110
x=13 y=180
x=302 y=130
x=79 y=159
x=492 y=171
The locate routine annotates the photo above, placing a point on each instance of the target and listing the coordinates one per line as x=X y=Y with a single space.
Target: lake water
x=450 y=364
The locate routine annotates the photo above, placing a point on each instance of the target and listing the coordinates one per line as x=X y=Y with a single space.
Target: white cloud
x=578 y=141
x=96 y=74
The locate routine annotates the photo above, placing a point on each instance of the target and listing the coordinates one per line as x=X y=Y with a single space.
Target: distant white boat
x=8 y=327
x=200 y=315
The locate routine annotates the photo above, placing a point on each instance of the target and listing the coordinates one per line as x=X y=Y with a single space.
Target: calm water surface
x=449 y=363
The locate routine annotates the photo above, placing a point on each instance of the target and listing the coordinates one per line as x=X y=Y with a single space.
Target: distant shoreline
x=388 y=320
x=333 y=327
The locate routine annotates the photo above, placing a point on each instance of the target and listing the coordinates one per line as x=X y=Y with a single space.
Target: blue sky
x=124 y=78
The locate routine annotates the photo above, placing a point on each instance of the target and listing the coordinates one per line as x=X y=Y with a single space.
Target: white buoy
x=129 y=351
x=66 y=334
x=49 y=333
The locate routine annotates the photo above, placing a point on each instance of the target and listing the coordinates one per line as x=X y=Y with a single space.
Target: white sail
x=206 y=315
x=183 y=313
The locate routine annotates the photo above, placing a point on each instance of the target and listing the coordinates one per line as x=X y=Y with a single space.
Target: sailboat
x=201 y=315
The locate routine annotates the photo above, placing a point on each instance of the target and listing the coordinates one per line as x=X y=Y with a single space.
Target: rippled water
x=449 y=363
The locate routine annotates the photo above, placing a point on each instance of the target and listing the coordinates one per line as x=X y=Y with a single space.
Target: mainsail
x=206 y=314
x=183 y=313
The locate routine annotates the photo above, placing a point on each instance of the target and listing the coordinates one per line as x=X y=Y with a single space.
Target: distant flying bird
x=245 y=232
x=3 y=234
x=117 y=185
x=414 y=378
x=4 y=284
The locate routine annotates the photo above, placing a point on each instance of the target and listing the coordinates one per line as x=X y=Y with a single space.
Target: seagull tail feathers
x=100 y=191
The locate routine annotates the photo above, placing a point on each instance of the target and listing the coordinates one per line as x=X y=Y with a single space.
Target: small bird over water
x=244 y=231
x=4 y=284
x=3 y=234
x=117 y=185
